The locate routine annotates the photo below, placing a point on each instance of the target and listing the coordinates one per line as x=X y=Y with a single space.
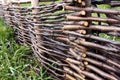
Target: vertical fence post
x=35 y=10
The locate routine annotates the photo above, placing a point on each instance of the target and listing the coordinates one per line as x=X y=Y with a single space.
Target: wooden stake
x=35 y=4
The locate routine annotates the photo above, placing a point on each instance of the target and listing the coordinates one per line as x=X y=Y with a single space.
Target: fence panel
x=73 y=39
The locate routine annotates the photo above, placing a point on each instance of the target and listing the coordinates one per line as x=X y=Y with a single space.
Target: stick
x=88 y=74
x=104 y=74
x=92 y=19
x=91 y=9
x=81 y=77
x=75 y=26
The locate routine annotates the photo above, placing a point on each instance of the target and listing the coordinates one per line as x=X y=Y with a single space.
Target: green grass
x=17 y=61
x=29 y=4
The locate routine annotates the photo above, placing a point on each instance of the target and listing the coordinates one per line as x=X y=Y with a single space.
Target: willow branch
x=108 y=20
x=92 y=9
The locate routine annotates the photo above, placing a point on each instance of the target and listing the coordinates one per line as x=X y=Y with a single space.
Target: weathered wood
x=35 y=3
x=66 y=37
x=91 y=9
x=91 y=27
x=69 y=17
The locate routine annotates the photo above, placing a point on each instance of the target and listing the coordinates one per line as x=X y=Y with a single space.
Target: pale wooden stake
x=35 y=4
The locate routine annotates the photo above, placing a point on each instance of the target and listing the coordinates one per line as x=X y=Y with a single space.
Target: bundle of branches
x=16 y=16
x=66 y=39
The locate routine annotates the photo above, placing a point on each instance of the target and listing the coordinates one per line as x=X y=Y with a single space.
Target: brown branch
x=108 y=20
x=88 y=74
x=103 y=58
x=68 y=70
x=75 y=26
x=104 y=74
x=92 y=9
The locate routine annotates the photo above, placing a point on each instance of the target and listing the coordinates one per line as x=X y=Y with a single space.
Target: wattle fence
x=70 y=37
